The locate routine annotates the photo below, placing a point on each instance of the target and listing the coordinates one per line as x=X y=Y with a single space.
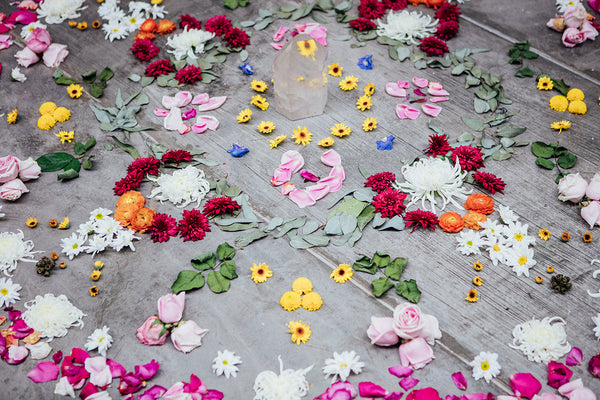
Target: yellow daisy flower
x=575 y=94
x=326 y=142
x=342 y=273
x=477 y=281
x=98 y=265
x=565 y=237
x=290 y=301
x=65 y=224
x=94 y=291
x=261 y=272
x=11 y=117
x=545 y=83
x=544 y=234
x=302 y=286
x=244 y=115
x=477 y=265
x=588 y=237
x=275 y=142
x=82 y=26
x=312 y=301
x=577 y=107
x=472 y=296
x=560 y=125
x=335 y=69
x=369 y=89
x=31 y=222
x=260 y=102
x=340 y=130
x=300 y=331
x=364 y=103
x=72 y=24
x=95 y=275
x=65 y=136
x=550 y=269
x=302 y=136
x=349 y=83
x=259 y=86
x=266 y=127
x=307 y=48
x=74 y=90
x=539 y=279
x=369 y=124
x=559 y=103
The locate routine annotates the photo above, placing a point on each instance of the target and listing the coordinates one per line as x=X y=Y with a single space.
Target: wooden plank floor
x=248 y=318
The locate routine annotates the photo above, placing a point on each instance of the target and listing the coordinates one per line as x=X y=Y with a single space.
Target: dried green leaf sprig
x=96 y=87
x=517 y=54
x=121 y=117
x=551 y=155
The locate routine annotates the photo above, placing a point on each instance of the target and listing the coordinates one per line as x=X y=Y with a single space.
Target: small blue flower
x=237 y=150
x=366 y=62
x=385 y=143
x=247 y=68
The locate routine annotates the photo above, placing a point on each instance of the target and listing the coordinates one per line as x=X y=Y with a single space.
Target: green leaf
x=458 y=70
x=542 y=150
x=403 y=53
x=393 y=52
x=101 y=114
x=89 y=77
x=134 y=77
x=530 y=55
x=364 y=264
x=228 y=269
x=204 y=261
x=544 y=163
x=97 y=88
x=501 y=154
x=225 y=251
x=514 y=52
x=108 y=147
x=481 y=106
x=74 y=165
x=187 y=280
x=509 y=131
x=365 y=216
x=474 y=123
x=127 y=147
x=54 y=161
x=217 y=282
x=57 y=73
x=395 y=268
x=381 y=285
x=350 y=206
x=524 y=73
x=561 y=86
x=317 y=240
x=396 y=223
x=106 y=74
x=64 y=80
x=409 y=290
x=289 y=225
x=68 y=174
x=245 y=239
x=90 y=143
x=381 y=260
x=567 y=161
x=78 y=148
x=147 y=80
x=342 y=38
x=87 y=164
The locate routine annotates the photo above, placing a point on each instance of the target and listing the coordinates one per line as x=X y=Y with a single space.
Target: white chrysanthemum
x=138 y=7
x=407 y=26
x=541 y=341
x=596 y=320
x=9 y=292
x=13 y=249
x=485 y=366
x=124 y=238
x=469 y=242
x=99 y=339
x=17 y=75
x=517 y=234
x=507 y=216
x=56 y=11
x=185 y=186
x=520 y=258
x=225 y=363
x=73 y=245
x=288 y=385
x=27 y=29
x=157 y=12
x=133 y=21
x=498 y=251
x=430 y=177
x=188 y=43
x=109 y=10
x=96 y=244
x=562 y=5
x=51 y=315
x=115 y=29
x=1 y=214
x=491 y=229
x=342 y=365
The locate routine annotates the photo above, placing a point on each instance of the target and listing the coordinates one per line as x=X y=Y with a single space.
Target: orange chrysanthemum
x=480 y=203
x=131 y=198
x=145 y=35
x=165 y=26
x=142 y=219
x=451 y=222
x=125 y=213
x=472 y=220
x=148 y=26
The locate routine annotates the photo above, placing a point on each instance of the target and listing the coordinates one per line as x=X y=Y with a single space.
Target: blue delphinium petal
x=366 y=62
x=237 y=150
x=247 y=68
x=386 y=143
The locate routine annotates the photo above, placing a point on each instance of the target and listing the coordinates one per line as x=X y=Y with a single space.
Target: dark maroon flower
x=147 y=165
x=469 y=157
x=189 y=21
x=144 y=49
x=220 y=205
x=594 y=365
x=447 y=11
x=163 y=227
x=389 y=203
x=438 y=145
x=381 y=181
x=237 y=38
x=433 y=46
x=363 y=24
x=395 y=4
x=371 y=9
x=159 y=67
x=489 y=181
x=189 y=74
x=558 y=374
x=193 y=226
x=447 y=29
x=176 y=156
x=130 y=182
x=425 y=219
x=219 y=25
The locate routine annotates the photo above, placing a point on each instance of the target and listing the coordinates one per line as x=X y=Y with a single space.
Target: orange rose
x=451 y=222
x=142 y=219
x=472 y=220
x=125 y=213
x=165 y=26
x=131 y=198
x=480 y=203
x=148 y=26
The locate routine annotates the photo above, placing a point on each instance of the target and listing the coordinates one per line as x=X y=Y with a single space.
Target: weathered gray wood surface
x=248 y=318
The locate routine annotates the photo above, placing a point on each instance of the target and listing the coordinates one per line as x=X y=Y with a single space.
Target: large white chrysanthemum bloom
x=541 y=341
x=407 y=26
x=56 y=11
x=51 y=315
x=288 y=385
x=188 y=43
x=185 y=186
x=13 y=249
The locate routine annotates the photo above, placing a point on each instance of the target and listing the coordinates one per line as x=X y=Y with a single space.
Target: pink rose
x=13 y=190
x=26 y=57
x=593 y=189
x=39 y=39
x=149 y=332
x=170 y=307
x=572 y=37
x=187 y=336
x=574 y=15
x=381 y=331
x=9 y=168
x=591 y=213
x=410 y=323
x=558 y=374
x=415 y=354
x=572 y=187
x=55 y=54
x=588 y=31
x=29 y=169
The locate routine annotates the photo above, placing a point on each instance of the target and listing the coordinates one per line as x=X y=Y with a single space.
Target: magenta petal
x=408 y=383
x=154 y=393
x=438 y=99
x=478 y=396
x=147 y=371
x=369 y=389
x=116 y=369
x=278 y=36
x=431 y=110
x=400 y=371
x=276 y=46
x=212 y=394
x=331 y=158
x=301 y=198
x=44 y=372
x=79 y=355
x=427 y=393
x=418 y=92
x=22 y=16
x=187 y=114
x=392 y=396
x=412 y=113
x=403 y=84
x=575 y=357
x=318 y=191
x=16 y=355
x=420 y=82
x=20 y=329
x=200 y=99
x=88 y=390
x=525 y=385
x=308 y=176
x=57 y=357
x=393 y=89
x=212 y=104
x=459 y=380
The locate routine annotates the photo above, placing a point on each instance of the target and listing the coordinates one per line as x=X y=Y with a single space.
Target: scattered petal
x=431 y=110
x=575 y=357
x=459 y=380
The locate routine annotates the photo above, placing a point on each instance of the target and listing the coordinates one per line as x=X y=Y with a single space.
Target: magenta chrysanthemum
x=189 y=74
x=371 y=9
x=469 y=157
x=219 y=25
x=220 y=205
x=144 y=49
x=148 y=165
x=163 y=227
x=176 y=156
x=237 y=38
x=190 y=22
x=447 y=11
x=363 y=24
x=447 y=29
x=130 y=182
x=438 y=145
x=433 y=46
x=159 y=67
x=395 y=4
x=193 y=226
x=489 y=181
x=389 y=203
x=380 y=181
x=425 y=219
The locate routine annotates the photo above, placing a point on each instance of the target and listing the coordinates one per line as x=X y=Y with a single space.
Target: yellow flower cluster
x=301 y=295
x=573 y=102
x=51 y=114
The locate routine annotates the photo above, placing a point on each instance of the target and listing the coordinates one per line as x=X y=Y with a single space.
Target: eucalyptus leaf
x=403 y=53
x=474 y=123
x=134 y=77
x=501 y=155
x=316 y=240
x=486 y=142
x=238 y=227
x=465 y=137
x=298 y=242
x=365 y=217
x=333 y=226
x=274 y=223
x=291 y=224
x=348 y=223
x=396 y=223
x=481 y=106
x=108 y=147
x=243 y=55
x=378 y=220
x=381 y=285
x=342 y=38
x=364 y=194
x=349 y=206
x=509 y=131
x=247 y=238
x=147 y=80
x=310 y=227
x=187 y=280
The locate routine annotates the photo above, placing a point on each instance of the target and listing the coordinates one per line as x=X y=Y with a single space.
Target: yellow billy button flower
x=72 y=24
x=349 y=83
x=577 y=107
x=31 y=222
x=302 y=286
x=61 y=114
x=559 y=103
x=302 y=136
x=539 y=279
x=335 y=69
x=575 y=94
x=326 y=142
x=545 y=83
x=46 y=121
x=74 y=90
x=340 y=130
x=12 y=116
x=82 y=26
x=472 y=296
x=53 y=223
x=260 y=273
x=266 y=127
x=342 y=273
x=369 y=124
x=364 y=103
x=54 y=256
x=300 y=331
x=259 y=86
x=63 y=265
x=95 y=275
x=96 y=24
x=47 y=108
x=544 y=234
x=290 y=301
x=550 y=269
x=312 y=301
x=244 y=116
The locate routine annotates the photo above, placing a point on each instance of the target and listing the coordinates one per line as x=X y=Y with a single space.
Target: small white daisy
x=562 y=5
x=9 y=292
x=507 y=215
x=485 y=366
x=517 y=234
x=100 y=339
x=342 y=365
x=491 y=229
x=225 y=363
x=520 y=258
x=124 y=238
x=107 y=227
x=157 y=12
x=73 y=245
x=115 y=29
x=498 y=251
x=133 y=21
x=96 y=244
x=86 y=229
x=596 y=320
x=99 y=214
x=469 y=242
x=138 y=7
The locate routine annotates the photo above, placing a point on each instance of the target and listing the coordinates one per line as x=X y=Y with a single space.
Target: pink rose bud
x=415 y=354
x=149 y=332
x=39 y=40
x=381 y=331
x=572 y=37
x=572 y=188
x=29 y=169
x=26 y=57
x=9 y=168
x=13 y=190
x=525 y=385
x=187 y=336
x=594 y=365
x=170 y=307
x=591 y=213
x=55 y=54
x=558 y=24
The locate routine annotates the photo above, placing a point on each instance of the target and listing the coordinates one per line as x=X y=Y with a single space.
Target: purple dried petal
x=575 y=357
x=418 y=101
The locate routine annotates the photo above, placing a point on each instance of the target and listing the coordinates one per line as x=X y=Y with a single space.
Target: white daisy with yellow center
x=342 y=365
x=9 y=292
x=225 y=364
x=485 y=366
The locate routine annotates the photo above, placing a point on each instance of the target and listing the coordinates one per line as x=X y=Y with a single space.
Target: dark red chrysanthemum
x=237 y=38
x=163 y=227
x=176 y=156
x=144 y=49
x=220 y=205
x=389 y=203
x=363 y=24
x=489 y=181
x=381 y=181
x=189 y=21
x=219 y=25
x=189 y=74
x=148 y=165
x=395 y=4
x=425 y=219
x=130 y=182
x=469 y=157
x=438 y=145
x=447 y=11
x=371 y=9
x=193 y=226
x=159 y=67
x=433 y=46
x=447 y=29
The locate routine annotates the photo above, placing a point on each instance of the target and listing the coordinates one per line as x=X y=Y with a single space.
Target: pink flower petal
x=161 y=112
x=391 y=396
x=438 y=92
x=301 y=198
x=276 y=46
x=416 y=353
x=278 y=36
x=183 y=129
x=435 y=85
x=420 y=82
x=292 y=160
x=393 y=89
x=319 y=34
x=286 y=188
x=318 y=191
x=173 y=121
x=187 y=114
x=17 y=354
x=147 y=371
x=331 y=158
x=334 y=183
x=438 y=99
x=369 y=389
x=418 y=92
x=575 y=357
x=403 y=84
x=569 y=387
x=179 y=100
x=199 y=128
x=459 y=380
x=401 y=111
x=280 y=176
x=308 y=176
x=431 y=110
x=525 y=385
x=400 y=371
x=412 y=113
x=44 y=372
x=200 y=99
x=408 y=382
x=338 y=171
x=116 y=369
x=212 y=104
x=211 y=122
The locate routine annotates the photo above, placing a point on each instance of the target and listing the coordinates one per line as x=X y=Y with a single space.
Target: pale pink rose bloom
x=29 y=169
x=588 y=31
x=572 y=188
x=39 y=39
x=381 y=331
x=149 y=332
x=13 y=190
x=187 y=336
x=170 y=307
x=574 y=15
x=9 y=168
x=26 y=57
x=410 y=323
x=55 y=54
x=572 y=37
x=593 y=189
x=5 y=41
x=591 y=213
x=415 y=354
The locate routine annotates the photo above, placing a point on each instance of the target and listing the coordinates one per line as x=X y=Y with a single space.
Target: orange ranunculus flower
x=451 y=222
x=148 y=26
x=480 y=203
x=125 y=213
x=472 y=220
x=145 y=35
x=142 y=219
x=165 y=26
x=131 y=198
